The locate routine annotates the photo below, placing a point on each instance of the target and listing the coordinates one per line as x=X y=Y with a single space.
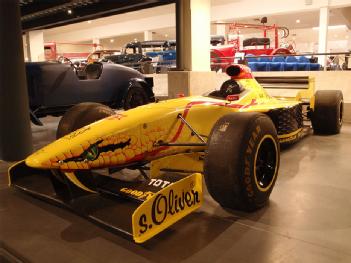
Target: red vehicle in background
x=54 y=50
x=221 y=56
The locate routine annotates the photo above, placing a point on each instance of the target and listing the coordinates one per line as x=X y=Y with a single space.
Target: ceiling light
x=166 y=35
x=69 y=11
x=89 y=21
x=331 y=27
x=298 y=21
x=112 y=40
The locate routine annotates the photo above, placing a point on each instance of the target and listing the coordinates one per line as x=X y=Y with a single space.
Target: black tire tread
x=224 y=160
x=80 y=115
x=127 y=102
x=326 y=113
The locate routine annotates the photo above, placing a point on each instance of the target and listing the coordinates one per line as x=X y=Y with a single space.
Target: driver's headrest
x=239 y=71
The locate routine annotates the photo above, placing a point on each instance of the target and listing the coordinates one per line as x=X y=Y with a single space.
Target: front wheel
x=81 y=115
x=75 y=118
x=242 y=160
x=136 y=96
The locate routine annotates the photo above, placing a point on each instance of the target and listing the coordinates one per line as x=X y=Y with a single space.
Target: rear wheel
x=136 y=96
x=242 y=160
x=327 y=115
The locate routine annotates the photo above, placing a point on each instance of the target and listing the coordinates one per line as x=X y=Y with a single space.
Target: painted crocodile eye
x=91 y=153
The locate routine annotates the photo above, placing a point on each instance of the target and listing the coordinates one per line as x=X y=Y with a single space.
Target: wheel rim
x=137 y=99
x=266 y=159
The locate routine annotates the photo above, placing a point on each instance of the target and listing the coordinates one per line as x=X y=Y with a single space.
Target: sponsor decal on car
x=167 y=206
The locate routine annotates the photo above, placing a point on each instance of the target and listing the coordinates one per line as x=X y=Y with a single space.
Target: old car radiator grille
x=287 y=120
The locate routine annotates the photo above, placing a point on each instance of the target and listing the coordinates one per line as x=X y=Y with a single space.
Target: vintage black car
x=140 y=55
x=55 y=87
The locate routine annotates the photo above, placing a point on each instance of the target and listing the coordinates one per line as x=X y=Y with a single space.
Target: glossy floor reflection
x=308 y=218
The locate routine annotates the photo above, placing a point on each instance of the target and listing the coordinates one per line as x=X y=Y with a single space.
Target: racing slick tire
x=81 y=115
x=136 y=96
x=327 y=114
x=242 y=160
x=77 y=117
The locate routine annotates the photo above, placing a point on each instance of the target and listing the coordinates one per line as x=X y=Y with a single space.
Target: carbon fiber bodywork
x=288 y=122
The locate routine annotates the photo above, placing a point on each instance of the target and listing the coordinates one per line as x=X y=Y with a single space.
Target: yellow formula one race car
x=232 y=137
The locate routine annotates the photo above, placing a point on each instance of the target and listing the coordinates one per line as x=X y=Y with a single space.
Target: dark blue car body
x=55 y=87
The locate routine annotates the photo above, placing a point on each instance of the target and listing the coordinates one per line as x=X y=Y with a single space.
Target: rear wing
x=282 y=87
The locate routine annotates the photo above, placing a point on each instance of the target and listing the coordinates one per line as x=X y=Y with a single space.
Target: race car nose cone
x=38 y=160
x=33 y=162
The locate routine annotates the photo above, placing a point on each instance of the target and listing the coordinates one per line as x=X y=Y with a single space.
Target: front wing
x=137 y=209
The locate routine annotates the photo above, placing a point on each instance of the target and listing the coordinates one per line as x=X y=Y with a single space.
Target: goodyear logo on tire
x=166 y=207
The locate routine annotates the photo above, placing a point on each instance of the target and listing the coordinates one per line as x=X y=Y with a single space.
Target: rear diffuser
x=135 y=209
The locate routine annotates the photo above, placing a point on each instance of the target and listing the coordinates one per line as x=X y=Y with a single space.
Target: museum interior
x=175 y=131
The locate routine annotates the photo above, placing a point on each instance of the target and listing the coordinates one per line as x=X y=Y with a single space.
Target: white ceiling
x=307 y=20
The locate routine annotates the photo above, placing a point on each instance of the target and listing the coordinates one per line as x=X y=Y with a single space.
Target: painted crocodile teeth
x=61 y=156
x=106 y=160
x=64 y=166
x=72 y=165
x=68 y=155
x=114 y=160
x=104 y=143
x=121 y=158
x=118 y=151
x=95 y=163
x=53 y=160
x=129 y=154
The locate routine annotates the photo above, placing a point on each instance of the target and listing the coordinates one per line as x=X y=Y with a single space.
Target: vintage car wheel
x=81 y=115
x=136 y=96
x=242 y=160
x=327 y=114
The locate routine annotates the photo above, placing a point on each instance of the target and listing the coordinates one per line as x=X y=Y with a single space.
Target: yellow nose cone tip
x=34 y=162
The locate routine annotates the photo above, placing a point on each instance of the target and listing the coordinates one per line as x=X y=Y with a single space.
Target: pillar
x=35 y=46
x=220 y=30
x=323 y=35
x=147 y=35
x=193 y=31
x=15 y=132
x=192 y=75
x=96 y=42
